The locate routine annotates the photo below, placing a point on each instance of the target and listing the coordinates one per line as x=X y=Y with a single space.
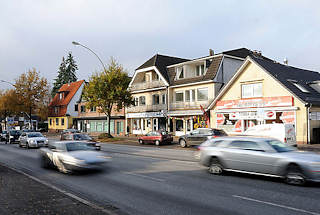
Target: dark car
x=13 y=136
x=200 y=135
x=81 y=137
x=3 y=135
x=156 y=137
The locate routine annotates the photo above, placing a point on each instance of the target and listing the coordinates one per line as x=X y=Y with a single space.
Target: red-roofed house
x=63 y=107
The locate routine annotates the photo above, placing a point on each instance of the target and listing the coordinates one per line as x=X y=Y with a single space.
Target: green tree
x=32 y=91
x=66 y=73
x=108 y=89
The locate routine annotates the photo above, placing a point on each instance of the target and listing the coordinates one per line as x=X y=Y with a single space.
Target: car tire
x=183 y=143
x=44 y=162
x=215 y=167
x=157 y=143
x=140 y=141
x=294 y=175
x=27 y=145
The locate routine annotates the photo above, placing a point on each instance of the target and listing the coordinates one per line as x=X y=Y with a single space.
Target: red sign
x=281 y=101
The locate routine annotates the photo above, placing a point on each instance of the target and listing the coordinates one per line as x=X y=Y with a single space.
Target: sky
x=38 y=33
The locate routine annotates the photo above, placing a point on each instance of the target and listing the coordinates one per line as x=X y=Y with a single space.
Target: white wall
x=74 y=100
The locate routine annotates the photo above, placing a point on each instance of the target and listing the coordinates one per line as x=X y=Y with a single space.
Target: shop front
x=142 y=123
x=236 y=116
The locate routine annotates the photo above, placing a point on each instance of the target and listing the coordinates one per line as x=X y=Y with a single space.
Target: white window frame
x=315 y=86
x=175 y=95
x=204 y=88
x=179 y=70
x=300 y=87
x=253 y=93
x=201 y=70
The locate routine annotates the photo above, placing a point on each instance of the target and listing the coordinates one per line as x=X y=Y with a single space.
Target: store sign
x=270 y=115
x=256 y=102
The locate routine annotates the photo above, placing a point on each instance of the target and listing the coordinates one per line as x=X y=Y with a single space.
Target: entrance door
x=118 y=127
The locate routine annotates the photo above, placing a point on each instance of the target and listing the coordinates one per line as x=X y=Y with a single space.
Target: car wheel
x=157 y=143
x=44 y=162
x=141 y=141
x=294 y=175
x=27 y=145
x=182 y=143
x=215 y=167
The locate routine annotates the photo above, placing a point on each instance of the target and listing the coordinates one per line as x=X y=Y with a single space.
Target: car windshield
x=77 y=146
x=219 y=132
x=14 y=132
x=81 y=137
x=35 y=135
x=280 y=146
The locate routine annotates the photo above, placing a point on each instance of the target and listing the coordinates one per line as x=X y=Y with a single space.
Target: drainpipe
x=308 y=105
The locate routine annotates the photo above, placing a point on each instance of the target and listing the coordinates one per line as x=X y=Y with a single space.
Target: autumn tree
x=108 y=89
x=32 y=91
x=66 y=73
x=9 y=104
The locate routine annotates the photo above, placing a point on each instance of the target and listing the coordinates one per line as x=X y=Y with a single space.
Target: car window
x=195 y=132
x=247 y=145
x=35 y=134
x=280 y=146
x=77 y=146
x=68 y=137
x=219 y=132
x=205 y=131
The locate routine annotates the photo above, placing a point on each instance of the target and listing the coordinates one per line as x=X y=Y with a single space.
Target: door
x=118 y=127
x=194 y=137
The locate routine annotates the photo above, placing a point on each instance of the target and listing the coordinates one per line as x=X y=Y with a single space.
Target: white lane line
x=276 y=205
x=144 y=176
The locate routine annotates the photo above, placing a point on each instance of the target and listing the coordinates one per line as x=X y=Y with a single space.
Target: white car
x=32 y=140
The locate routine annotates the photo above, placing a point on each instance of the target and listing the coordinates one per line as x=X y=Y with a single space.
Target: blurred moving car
x=156 y=137
x=3 y=135
x=33 y=140
x=81 y=137
x=69 y=156
x=198 y=136
x=12 y=136
x=260 y=156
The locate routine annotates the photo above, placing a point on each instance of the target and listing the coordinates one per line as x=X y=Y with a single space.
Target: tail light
x=285 y=139
x=214 y=136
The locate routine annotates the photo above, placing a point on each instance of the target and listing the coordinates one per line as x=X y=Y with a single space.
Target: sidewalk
x=20 y=194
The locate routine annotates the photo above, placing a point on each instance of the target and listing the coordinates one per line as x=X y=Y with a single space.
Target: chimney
x=211 y=52
x=257 y=53
x=285 y=61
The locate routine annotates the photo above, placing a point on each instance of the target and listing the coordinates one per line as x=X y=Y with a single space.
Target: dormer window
x=299 y=86
x=200 y=70
x=180 y=73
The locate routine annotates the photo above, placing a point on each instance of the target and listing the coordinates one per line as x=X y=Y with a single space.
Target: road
x=151 y=180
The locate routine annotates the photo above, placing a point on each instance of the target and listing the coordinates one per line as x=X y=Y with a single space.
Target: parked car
x=3 y=135
x=261 y=156
x=13 y=136
x=33 y=140
x=68 y=131
x=81 y=137
x=156 y=137
x=200 y=135
x=69 y=156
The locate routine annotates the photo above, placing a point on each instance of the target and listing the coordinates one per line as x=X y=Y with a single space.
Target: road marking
x=83 y=201
x=276 y=205
x=144 y=176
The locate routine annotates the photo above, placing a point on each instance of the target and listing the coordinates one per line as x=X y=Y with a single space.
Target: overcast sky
x=38 y=33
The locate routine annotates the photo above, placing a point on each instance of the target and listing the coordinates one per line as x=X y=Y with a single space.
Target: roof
x=161 y=62
x=69 y=90
x=288 y=75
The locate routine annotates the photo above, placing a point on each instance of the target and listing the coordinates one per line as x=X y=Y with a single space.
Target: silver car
x=260 y=156
x=69 y=156
x=32 y=140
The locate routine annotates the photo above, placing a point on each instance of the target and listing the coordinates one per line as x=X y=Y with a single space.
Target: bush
x=104 y=136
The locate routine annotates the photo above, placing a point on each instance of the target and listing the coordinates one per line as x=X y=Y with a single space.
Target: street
x=151 y=180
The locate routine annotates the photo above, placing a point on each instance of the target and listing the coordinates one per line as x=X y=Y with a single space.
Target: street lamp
x=79 y=44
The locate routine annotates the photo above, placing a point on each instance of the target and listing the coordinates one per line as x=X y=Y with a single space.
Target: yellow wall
x=252 y=73
x=149 y=94
x=67 y=123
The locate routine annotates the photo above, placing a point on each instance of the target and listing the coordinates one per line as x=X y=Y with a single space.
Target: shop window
x=251 y=90
x=142 y=100
x=57 y=121
x=179 y=96
x=62 y=121
x=202 y=94
x=155 y=99
x=179 y=125
x=136 y=124
x=200 y=70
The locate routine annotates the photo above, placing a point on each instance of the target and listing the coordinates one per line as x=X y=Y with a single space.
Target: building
x=62 y=108
x=195 y=83
x=263 y=91
x=149 y=86
x=92 y=121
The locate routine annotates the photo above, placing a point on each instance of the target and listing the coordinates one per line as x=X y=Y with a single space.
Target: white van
x=284 y=132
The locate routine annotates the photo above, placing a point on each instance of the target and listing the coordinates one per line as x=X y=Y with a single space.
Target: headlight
x=97 y=144
x=47 y=140
x=32 y=141
x=11 y=136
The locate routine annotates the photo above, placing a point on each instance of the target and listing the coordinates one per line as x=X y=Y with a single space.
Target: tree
x=9 y=104
x=108 y=89
x=66 y=73
x=32 y=91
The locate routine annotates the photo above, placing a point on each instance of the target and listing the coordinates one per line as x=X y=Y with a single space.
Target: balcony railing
x=146 y=85
x=145 y=108
x=188 y=105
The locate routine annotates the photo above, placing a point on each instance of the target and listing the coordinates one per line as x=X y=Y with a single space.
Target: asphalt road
x=151 y=180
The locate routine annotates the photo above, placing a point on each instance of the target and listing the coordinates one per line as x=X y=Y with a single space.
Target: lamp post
x=79 y=44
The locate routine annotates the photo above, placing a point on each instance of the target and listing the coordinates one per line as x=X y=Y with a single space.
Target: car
x=200 y=135
x=260 y=156
x=3 y=135
x=71 y=156
x=33 y=140
x=81 y=137
x=156 y=137
x=12 y=136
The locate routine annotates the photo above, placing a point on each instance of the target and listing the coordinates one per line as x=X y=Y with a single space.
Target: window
x=200 y=70
x=187 y=95
x=246 y=145
x=93 y=109
x=142 y=100
x=57 y=121
x=155 y=99
x=190 y=95
x=315 y=86
x=299 y=86
x=180 y=73
x=179 y=125
x=50 y=121
x=251 y=90
x=202 y=94
x=62 y=121
x=56 y=110
x=83 y=108
x=179 y=96
x=76 y=107
x=60 y=96
x=163 y=98
x=136 y=101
